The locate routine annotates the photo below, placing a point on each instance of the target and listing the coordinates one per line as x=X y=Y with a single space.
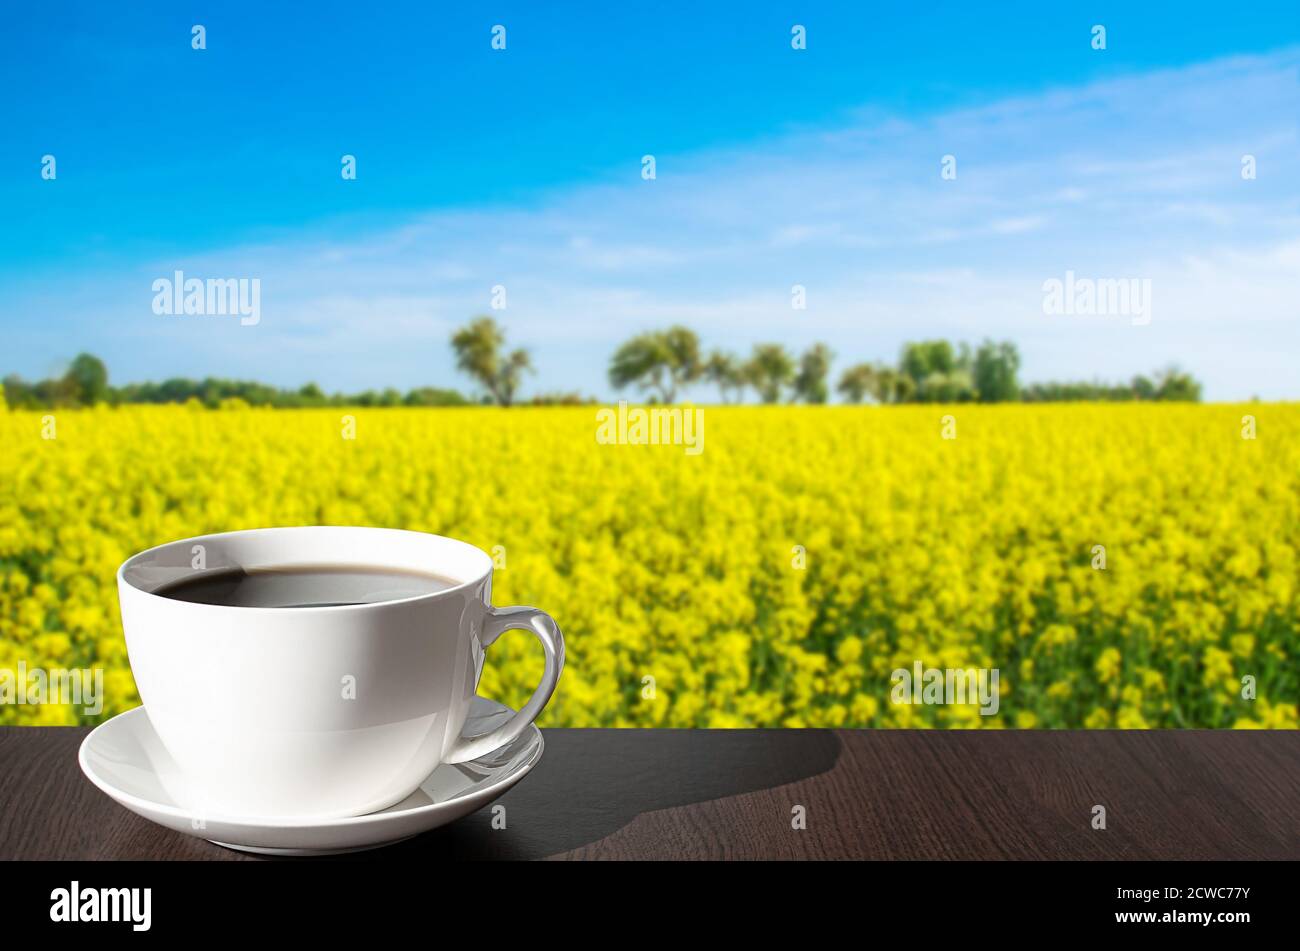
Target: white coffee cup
x=318 y=712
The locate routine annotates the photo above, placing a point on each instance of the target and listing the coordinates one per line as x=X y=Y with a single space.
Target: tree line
x=86 y=383
x=661 y=364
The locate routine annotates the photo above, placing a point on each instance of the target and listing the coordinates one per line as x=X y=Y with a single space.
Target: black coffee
x=302 y=587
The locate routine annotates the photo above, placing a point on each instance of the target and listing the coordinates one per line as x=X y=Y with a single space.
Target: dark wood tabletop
x=734 y=794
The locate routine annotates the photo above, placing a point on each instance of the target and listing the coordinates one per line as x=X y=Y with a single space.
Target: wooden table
x=732 y=794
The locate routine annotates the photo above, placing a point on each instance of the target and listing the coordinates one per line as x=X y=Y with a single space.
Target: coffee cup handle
x=500 y=620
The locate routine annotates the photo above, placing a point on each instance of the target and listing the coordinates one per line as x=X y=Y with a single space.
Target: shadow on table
x=591 y=783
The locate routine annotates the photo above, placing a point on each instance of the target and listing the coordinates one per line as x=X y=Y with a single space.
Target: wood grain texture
x=729 y=794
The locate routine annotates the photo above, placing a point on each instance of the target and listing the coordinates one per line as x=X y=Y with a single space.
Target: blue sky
x=775 y=167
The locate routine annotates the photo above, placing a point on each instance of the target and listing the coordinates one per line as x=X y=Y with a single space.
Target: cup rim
x=474 y=553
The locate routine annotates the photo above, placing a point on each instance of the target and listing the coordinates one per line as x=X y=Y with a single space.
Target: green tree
x=661 y=360
x=994 y=373
x=87 y=380
x=1173 y=384
x=18 y=393
x=814 y=366
x=683 y=348
x=858 y=382
x=926 y=358
x=769 y=370
x=724 y=371
x=897 y=387
x=433 y=396
x=641 y=360
x=511 y=375
x=935 y=372
x=311 y=395
x=478 y=347
x=952 y=387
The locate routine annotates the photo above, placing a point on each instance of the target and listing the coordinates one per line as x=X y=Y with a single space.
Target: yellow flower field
x=775 y=579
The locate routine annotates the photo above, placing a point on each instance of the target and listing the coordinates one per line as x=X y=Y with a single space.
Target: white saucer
x=125 y=759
